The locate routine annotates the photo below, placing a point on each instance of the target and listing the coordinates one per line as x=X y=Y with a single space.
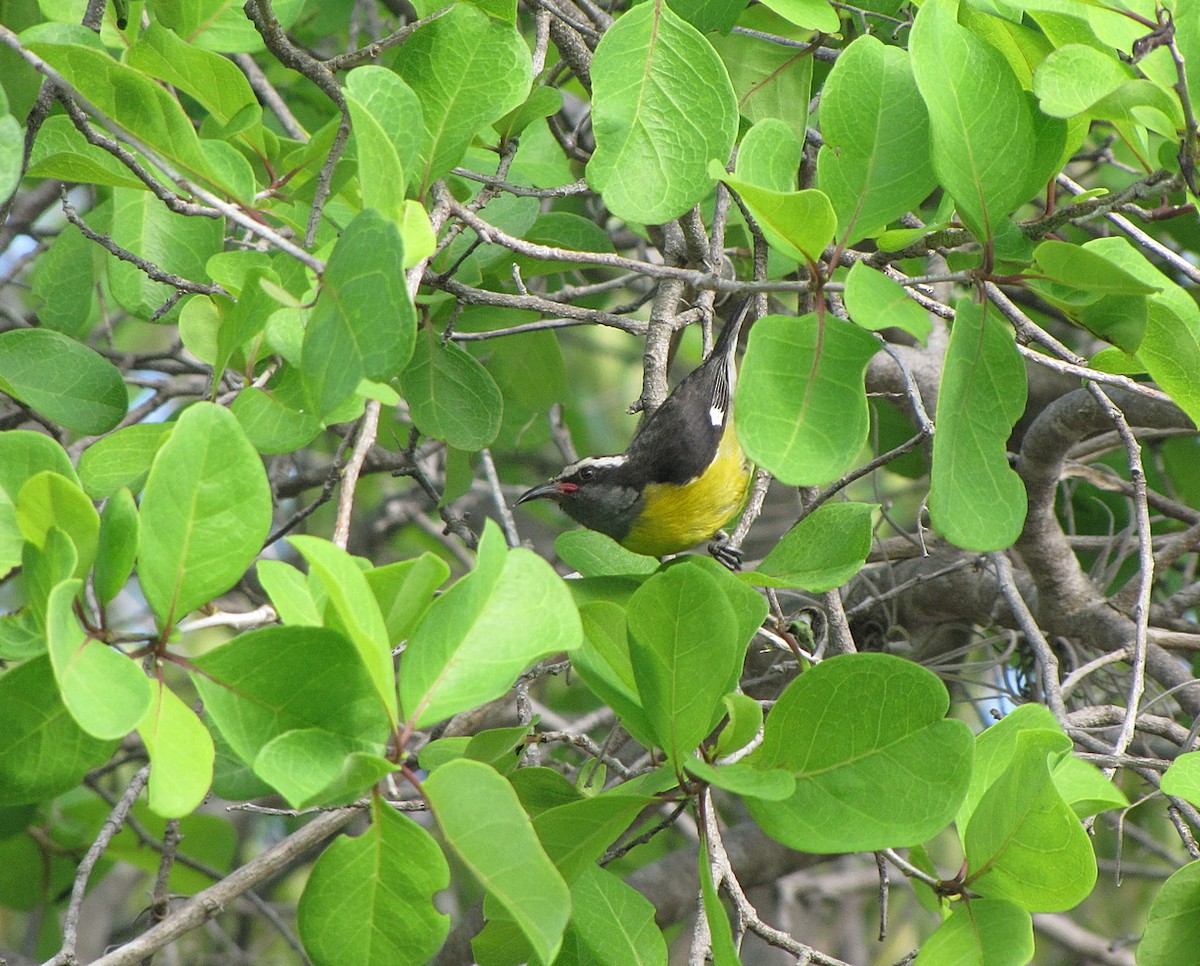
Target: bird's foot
x=725 y=552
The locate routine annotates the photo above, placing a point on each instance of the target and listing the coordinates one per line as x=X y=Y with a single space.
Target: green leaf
x=65 y=381
x=23 y=454
x=817 y=14
x=614 y=922
x=312 y=766
x=981 y=123
x=49 y=500
x=117 y=547
x=215 y=81
x=181 y=754
x=63 y=281
x=491 y=76
x=745 y=721
x=799 y=224
x=481 y=818
x=575 y=835
x=769 y=80
x=261 y=685
x=357 y=612
x=662 y=106
x=43 y=752
x=1173 y=925
x=363 y=323
x=44 y=567
x=404 y=591
x=994 y=750
x=822 y=551
x=106 y=692
x=219 y=25
x=1023 y=843
x=451 y=396
x=1182 y=779
x=205 y=513
x=1087 y=269
x=741 y=778
x=982 y=932
x=595 y=554
x=290 y=593
x=369 y=900
x=769 y=156
x=875 y=163
x=709 y=15
x=876 y=301
x=510 y=611
x=683 y=646
x=60 y=151
x=1075 y=77
x=1170 y=348
x=121 y=459
x=242 y=321
x=976 y=500
x=386 y=116
x=852 y=725
x=604 y=663
x=1083 y=786
x=724 y=952
x=175 y=243
x=801 y=403
x=270 y=424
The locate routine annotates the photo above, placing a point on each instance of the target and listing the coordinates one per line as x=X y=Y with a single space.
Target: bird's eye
x=586 y=474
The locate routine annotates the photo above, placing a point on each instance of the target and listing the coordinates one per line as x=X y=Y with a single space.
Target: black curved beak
x=550 y=490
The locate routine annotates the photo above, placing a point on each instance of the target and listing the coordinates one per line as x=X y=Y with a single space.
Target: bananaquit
x=684 y=476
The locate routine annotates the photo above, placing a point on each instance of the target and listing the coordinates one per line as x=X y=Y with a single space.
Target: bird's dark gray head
x=597 y=491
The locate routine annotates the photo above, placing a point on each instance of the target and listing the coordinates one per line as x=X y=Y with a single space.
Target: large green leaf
x=181 y=754
x=451 y=396
x=976 y=499
x=43 y=752
x=1172 y=933
x=876 y=301
x=467 y=70
x=822 y=551
x=50 y=500
x=662 y=107
x=205 y=513
x=683 y=646
x=1023 y=842
x=848 y=727
x=23 y=454
x=875 y=162
x=369 y=900
x=106 y=692
x=511 y=610
x=65 y=381
x=982 y=932
x=982 y=126
x=770 y=80
x=799 y=224
x=801 y=404
x=387 y=134
x=614 y=922
x=363 y=324
x=482 y=820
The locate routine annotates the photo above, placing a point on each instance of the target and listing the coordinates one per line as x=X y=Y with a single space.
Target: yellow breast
x=676 y=518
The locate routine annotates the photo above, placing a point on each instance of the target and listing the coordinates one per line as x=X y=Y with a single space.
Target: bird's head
x=599 y=491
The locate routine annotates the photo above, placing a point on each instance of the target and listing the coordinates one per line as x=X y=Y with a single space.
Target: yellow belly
x=676 y=518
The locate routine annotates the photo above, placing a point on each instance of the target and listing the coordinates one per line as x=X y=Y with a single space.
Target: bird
x=682 y=479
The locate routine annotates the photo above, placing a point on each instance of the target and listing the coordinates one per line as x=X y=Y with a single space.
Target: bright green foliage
x=984 y=932
x=369 y=900
x=875 y=163
x=801 y=408
x=976 y=499
x=351 y=281
x=684 y=648
x=664 y=108
x=1023 y=842
x=66 y=382
x=818 y=730
x=363 y=324
x=480 y=634
x=205 y=512
x=452 y=397
x=875 y=301
x=498 y=845
x=181 y=754
x=1173 y=925
x=822 y=551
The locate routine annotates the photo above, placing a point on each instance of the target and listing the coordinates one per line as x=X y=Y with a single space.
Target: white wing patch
x=716 y=416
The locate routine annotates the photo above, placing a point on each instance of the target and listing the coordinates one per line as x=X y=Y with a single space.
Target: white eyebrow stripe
x=597 y=461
